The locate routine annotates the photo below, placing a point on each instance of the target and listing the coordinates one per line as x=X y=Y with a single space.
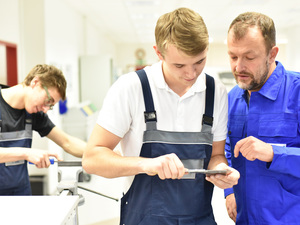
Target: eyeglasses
x=48 y=102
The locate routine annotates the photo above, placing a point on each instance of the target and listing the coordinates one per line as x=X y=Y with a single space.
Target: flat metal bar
x=203 y=171
x=69 y=163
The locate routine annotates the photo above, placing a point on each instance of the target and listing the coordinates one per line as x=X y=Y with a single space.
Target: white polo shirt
x=123 y=109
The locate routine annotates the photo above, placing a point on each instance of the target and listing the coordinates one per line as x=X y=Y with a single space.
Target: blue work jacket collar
x=271 y=88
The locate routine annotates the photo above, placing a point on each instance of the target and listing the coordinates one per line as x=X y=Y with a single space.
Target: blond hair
x=183 y=28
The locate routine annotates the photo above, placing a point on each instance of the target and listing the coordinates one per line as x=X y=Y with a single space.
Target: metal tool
x=210 y=172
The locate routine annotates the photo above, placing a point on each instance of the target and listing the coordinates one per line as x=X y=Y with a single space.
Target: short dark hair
x=266 y=25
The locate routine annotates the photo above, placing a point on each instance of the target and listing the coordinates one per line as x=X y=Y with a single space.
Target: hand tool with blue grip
x=51 y=161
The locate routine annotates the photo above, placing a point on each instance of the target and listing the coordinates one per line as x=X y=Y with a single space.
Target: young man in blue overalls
x=23 y=109
x=169 y=118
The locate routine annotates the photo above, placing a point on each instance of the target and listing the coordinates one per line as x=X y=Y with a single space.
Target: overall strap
x=0 y=114
x=28 y=122
x=0 y=120
x=209 y=102
x=150 y=113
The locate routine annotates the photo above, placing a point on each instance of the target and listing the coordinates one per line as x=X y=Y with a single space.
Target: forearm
x=74 y=146
x=105 y=162
x=218 y=155
x=216 y=160
x=219 y=162
x=70 y=144
x=13 y=154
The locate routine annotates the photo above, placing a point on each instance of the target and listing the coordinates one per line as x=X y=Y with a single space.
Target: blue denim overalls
x=152 y=201
x=14 y=178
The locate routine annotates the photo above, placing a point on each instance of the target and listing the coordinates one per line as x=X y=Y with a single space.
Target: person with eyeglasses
x=23 y=108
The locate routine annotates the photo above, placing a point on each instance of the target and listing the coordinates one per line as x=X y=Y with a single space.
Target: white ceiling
x=133 y=21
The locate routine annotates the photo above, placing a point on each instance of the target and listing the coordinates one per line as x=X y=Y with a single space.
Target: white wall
x=32 y=35
x=10 y=25
x=293 y=48
x=3 y=69
x=96 y=42
x=64 y=43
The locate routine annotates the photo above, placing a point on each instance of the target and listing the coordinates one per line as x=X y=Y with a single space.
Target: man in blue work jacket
x=263 y=127
x=169 y=117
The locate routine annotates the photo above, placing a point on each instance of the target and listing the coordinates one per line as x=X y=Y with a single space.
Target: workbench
x=37 y=210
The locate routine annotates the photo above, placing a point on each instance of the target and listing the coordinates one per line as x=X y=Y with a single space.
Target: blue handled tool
x=51 y=161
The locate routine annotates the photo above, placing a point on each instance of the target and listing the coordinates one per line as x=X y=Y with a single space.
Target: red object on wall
x=11 y=63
